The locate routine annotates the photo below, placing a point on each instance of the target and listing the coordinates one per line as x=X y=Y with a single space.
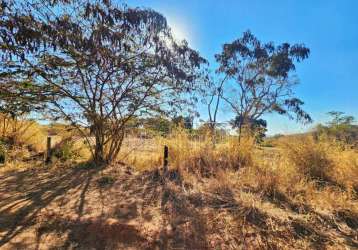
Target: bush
x=324 y=160
x=310 y=159
x=65 y=151
x=3 y=153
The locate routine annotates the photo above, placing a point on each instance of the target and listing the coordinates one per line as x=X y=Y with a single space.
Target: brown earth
x=79 y=208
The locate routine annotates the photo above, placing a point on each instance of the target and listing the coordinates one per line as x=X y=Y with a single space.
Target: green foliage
x=340 y=128
x=65 y=151
x=255 y=127
x=158 y=124
x=184 y=121
x=261 y=76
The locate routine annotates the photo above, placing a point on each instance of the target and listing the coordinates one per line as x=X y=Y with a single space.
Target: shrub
x=310 y=158
x=324 y=160
x=3 y=153
x=65 y=150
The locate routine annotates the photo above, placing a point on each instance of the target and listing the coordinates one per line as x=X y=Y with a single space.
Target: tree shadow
x=94 y=233
x=115 y=227
x=258 y=220
x=30 y=191
x=315 y=230
x=184 y=226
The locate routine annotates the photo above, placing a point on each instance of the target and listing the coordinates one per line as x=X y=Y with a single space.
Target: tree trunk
x=99 y=154
x=213 y=135
x=240 y=131
x=115 y=146
x=99 y=157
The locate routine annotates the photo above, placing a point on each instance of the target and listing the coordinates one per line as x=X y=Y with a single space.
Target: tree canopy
x=260 y=78
x=103 y=64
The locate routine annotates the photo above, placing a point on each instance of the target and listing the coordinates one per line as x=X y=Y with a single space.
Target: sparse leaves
x=260 y=78
x=104 y=64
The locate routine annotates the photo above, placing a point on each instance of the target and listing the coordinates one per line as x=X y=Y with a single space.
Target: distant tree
x=341 y=128
x=158 y=124
x=206 y=129
x=339 y=119
x=186 y=122
x=255 y=127
x=214 y=95
x=259 y=78
x=103 y=64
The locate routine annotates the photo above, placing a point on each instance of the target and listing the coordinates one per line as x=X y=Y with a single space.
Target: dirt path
x=75 y=208
x=40 y=209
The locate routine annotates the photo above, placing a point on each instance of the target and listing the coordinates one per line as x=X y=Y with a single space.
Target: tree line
x=96 y=65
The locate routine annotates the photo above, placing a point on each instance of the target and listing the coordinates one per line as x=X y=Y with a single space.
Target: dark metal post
x=165 y=162
x=48 y=150
x=3 y=157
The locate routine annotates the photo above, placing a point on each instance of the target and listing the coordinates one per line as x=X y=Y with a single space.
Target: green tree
x=186 y=122
x=341 y=127
x=255 y=127
x=158 y=124
x=259 y=78
x=103 y=64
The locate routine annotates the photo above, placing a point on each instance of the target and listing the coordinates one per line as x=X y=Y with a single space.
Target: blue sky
x=328 y=79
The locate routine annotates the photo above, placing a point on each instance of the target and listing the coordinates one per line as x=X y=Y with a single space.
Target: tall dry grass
x=319 y=175
x=191 y=154
x=301 y=171
x=23 y=132
x=323 y=161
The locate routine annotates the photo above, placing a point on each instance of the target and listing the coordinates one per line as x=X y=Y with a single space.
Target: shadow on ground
x=26 y=193
x=68 y=209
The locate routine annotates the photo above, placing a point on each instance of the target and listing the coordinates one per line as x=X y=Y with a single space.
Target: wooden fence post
x=165 y=162
x=48 y=150
x=3 y=157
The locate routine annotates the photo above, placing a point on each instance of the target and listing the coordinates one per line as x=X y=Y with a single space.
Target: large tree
x=260 y=78
x=104 y=64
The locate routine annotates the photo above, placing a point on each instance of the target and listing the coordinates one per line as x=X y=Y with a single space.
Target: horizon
x=327 y=78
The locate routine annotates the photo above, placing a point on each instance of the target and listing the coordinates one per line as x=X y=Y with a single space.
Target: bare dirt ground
x=73 y=209
x=69 y=209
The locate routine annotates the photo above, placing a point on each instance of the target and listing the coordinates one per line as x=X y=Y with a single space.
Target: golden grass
x=294 y=166
x=239 y=192
x=193 y=155
x=301 y=167
x=324 y=161
x=24 y=132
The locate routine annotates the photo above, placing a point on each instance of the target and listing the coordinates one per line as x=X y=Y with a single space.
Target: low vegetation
x=111 y=86
x=300 y=193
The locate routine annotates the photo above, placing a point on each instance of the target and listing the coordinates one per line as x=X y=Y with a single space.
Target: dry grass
x=24 y=132
x=300 y=194
x=324 y=161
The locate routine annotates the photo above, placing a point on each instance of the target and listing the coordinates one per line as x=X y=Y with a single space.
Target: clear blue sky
x=328 y=79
